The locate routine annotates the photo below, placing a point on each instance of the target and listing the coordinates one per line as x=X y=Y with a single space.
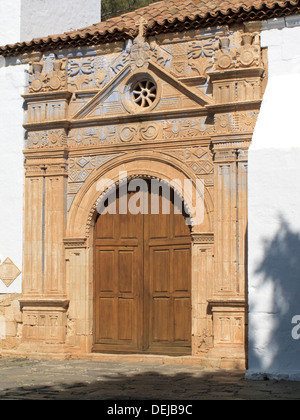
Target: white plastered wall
x=46 y=17
x=12 y=79
x=274 y=210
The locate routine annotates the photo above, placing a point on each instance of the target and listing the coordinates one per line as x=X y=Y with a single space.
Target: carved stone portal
x=170 y=108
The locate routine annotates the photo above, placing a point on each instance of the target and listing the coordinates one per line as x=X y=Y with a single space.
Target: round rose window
x=144 y=93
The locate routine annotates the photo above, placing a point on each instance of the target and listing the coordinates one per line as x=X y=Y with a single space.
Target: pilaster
x=44 y=302
x=228 y=304
x=202 y=273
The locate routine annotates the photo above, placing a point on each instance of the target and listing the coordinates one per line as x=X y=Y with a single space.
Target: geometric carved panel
x=9 y=272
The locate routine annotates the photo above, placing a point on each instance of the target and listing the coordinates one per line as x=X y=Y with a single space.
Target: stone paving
x=24 y=379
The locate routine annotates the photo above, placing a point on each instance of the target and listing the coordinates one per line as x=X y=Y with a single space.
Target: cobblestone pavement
x=88 y=380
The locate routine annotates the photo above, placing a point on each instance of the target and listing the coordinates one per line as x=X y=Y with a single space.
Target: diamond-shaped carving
x=9 y=272
x=82 y=162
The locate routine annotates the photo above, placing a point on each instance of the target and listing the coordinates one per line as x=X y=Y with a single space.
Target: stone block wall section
x=10 y=321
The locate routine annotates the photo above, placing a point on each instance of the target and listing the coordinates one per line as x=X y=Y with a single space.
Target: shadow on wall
x=274 y=301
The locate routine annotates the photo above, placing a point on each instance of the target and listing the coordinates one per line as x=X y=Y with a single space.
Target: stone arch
x=137 y=164
x=79 y=244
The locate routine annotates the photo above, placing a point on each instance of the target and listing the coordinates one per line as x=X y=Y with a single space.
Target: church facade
x=110 y=113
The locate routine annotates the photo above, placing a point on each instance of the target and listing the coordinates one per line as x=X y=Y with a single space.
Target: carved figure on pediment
x=122 y=60
x=140 y=52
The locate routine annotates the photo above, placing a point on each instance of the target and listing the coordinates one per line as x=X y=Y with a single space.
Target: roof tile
x=160 y=16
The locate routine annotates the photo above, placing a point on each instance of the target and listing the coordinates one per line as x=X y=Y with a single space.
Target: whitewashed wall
x=11 y=144
x=23 y=20
x=10 y=21
x=44 y=17
x=274 y=210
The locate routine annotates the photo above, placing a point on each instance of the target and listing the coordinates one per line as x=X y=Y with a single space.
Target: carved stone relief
x=199 y=159
x=9 y=272
x=47 y=138
x=46 y=74
x=207 y=92
x=80 y=169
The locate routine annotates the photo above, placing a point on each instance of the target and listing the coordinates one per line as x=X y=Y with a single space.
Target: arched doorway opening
x=142 y=273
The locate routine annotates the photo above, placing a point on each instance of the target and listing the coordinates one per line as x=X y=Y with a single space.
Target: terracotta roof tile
x=163 y=16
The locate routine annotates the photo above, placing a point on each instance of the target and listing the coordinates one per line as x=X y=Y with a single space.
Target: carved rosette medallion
x=225 y=56
x=41 y=80
x=249 y=53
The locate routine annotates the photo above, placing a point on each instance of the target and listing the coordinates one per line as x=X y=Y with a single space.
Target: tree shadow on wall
x=274 y=301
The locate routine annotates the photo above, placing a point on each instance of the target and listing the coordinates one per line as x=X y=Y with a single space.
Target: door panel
x=142 y=282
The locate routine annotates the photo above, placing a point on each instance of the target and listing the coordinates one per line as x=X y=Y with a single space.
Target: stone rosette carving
x=248 y=55
x=225 y=57
x=43 y=80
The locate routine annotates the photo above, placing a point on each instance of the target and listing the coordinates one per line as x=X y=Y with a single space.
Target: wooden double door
x=142 y=281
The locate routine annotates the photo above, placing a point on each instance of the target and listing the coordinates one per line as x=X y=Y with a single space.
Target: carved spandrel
x=197 y=158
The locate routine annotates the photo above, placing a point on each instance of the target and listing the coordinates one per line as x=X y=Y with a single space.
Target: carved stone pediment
x=149 y=88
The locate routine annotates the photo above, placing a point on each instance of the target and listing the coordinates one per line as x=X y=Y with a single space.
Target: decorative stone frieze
x=46 y=139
